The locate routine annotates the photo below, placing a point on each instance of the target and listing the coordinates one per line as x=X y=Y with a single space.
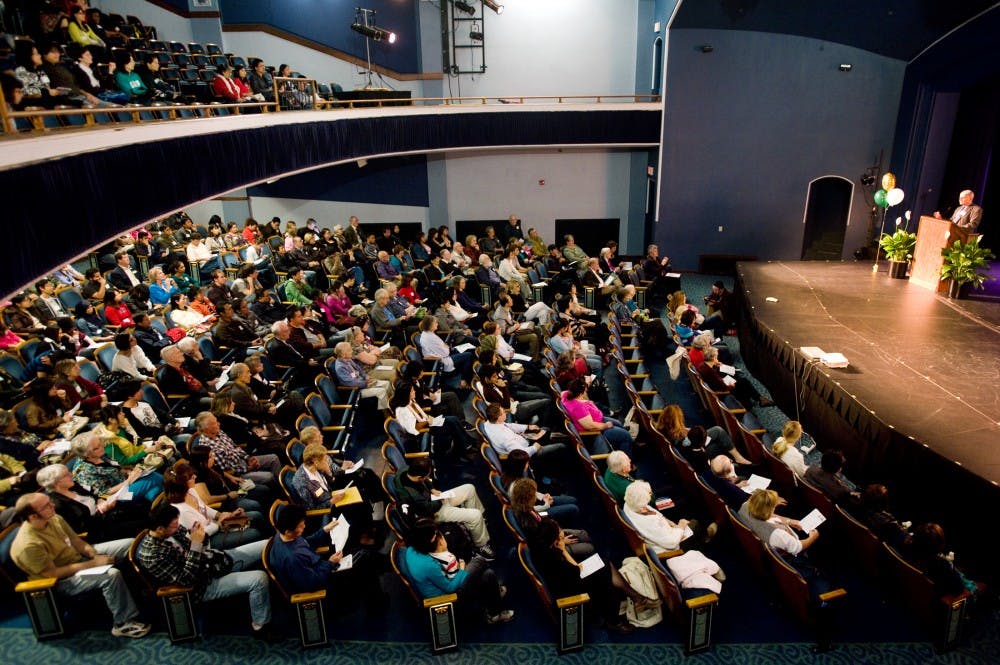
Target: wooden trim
x=702 y=601
x=306 y=597
x=231 y=198
x=185 y=13
x=832 y=595
x=441 y=600
x=329 y=50
x=572 y=601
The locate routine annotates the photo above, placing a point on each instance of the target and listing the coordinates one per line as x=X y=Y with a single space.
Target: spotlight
x=494 y=5
x=476 y=35
x=374 y=32
x=465 y=7
x=706 y=48
x=846 y=67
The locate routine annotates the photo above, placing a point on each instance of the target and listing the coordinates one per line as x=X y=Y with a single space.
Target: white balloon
x=894 y=196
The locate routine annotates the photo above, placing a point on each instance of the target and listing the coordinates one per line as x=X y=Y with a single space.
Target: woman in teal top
x=436 y=571
x=129 y=82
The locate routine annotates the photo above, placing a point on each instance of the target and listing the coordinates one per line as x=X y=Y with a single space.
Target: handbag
x=218 y=563
x=72 y=428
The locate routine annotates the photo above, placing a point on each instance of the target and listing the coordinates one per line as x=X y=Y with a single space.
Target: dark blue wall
x=749 y=125
x=387 y=181
x=329 y=23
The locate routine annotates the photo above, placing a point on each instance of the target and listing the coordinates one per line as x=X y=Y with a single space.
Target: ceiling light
x=374 y=32
x=494 y=5
x=465 y=7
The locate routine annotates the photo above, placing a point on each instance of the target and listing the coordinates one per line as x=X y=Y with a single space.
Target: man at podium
x=966 y=215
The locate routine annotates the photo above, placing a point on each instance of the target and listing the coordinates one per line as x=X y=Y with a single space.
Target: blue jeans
x=617 y=437
x=565 y=511
x=245 y=580
x=112 y=585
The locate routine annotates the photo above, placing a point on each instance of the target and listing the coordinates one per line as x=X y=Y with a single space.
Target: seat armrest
x=701 y=601
x=832 y=595
x=36 y=585
x=440 y=600
x=307 y=597
x=173 y=590
x=669 y=554
x=317 y=512
x=572 y=601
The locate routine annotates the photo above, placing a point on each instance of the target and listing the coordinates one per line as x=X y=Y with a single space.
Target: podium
x=933 y=235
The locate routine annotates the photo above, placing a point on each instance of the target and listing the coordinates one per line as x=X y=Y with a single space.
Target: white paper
x=339 y=533
x=385 y=368
x=626 y=265
x=727 y=369
x=755 y=483
x=280 y=402
x=184 y=422
x=438 y=421
x=443 y=495
x=74 y=409
x=383 y=348
x=436 y=397
x=97 y=570
x=590 y=565
x=729 y=381
x=539 y=284
x=687 y=533
x=357 y=465
x=673 y=274
x=346 y=563
x=58 y=447
x=610 y=279
x=523 y=358
x=223 y=380
x=812 y=520
x=462 y=348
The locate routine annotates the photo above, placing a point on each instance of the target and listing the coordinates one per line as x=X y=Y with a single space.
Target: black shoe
x=267 y=634
x=619 y=626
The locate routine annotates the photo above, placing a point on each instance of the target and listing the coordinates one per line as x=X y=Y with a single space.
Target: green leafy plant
x=899 y=245
x=964 y=261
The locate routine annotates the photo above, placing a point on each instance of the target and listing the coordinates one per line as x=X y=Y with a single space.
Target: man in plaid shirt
x=172 y=555
x=230 y=458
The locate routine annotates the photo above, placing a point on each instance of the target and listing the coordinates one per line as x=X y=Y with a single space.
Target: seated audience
x=828 y=478
x=587 y=418
x=100 y=519
x=785 y=448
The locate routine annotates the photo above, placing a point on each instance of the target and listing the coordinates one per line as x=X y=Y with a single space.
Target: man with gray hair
x=966 y=215
x=230 y=458
x=721 y=477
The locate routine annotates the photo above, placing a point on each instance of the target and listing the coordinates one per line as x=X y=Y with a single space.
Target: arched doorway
x=827 y=213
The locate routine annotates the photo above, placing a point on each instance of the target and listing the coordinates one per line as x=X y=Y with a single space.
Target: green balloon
x=880 y=199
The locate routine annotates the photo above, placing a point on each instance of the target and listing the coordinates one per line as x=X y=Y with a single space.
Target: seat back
x=13 y=365
x=489 y=454
x=89 y=370
x=9 y=572
x=285 y=477
x=496 y=482
x=105 y=355
x=794 y=590
x=319 y=410
x=265 y=559
x=513 y=525
x=865 y=546
x=397 y=556
x=750 y=544
x=393 y=455
x=524 y=555
x=294 y=450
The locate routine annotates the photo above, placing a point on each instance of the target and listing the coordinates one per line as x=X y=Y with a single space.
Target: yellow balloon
x=888 y=181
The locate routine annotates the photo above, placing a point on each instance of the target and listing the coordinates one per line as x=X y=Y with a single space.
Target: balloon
x=888 y=181
x=894 y=196
x=880 y=198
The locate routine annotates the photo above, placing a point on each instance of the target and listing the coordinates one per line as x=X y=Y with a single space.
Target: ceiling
x=898 y=29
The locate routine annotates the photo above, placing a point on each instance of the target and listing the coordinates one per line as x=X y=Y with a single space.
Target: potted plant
x=898 y=248
x=963 y=263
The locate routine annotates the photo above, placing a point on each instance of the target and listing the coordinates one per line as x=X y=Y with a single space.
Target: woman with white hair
x=96 y=473
x=659 y=532
x=100 y=519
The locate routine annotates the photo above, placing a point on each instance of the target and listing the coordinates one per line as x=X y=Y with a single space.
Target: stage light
x=846 y=67
x=465 y=7
x=476 y=36
x=374 y=32
x=494 y=5
x=868 y=180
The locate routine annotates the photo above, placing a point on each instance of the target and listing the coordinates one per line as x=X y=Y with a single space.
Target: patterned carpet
x=19 y=647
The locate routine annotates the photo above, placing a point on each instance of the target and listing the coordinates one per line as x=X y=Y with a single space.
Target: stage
x=919 y=406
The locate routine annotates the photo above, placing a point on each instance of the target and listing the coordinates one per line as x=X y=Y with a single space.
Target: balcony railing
x=290 y=94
